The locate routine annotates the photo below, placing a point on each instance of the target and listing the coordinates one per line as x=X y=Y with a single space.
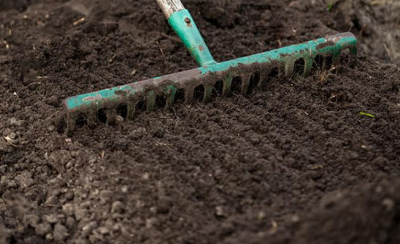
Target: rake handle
x=184 y=26
x=170 y=6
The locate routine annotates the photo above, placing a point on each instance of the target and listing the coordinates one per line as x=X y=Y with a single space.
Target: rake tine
x=245 y=83
x=227 y=86
x=289 y=68
x=150 y=101
x=264 y=77
x=131 y=107
x=91 y=118
x=208 y=92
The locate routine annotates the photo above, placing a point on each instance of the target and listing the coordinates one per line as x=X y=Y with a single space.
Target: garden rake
x=211 y=79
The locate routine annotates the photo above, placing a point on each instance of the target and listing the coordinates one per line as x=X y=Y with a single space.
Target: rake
x=211 y=79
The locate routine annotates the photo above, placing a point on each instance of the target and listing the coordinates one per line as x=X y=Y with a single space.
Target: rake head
x=210 y=80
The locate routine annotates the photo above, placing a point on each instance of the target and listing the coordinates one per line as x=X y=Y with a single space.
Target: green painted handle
x=184 y=26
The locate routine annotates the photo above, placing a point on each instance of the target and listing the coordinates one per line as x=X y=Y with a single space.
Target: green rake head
x=203 y=83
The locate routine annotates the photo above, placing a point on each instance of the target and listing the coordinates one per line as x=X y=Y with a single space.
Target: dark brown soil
x=307 y=160
x=376 y=23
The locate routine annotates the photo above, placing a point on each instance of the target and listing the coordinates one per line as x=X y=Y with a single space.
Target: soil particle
x=68 y=209
x=88 y=228
x=24 y=179
x=117 y=207
x=42 y=229
x=32 y=220
x=105 y=196
x=51 y=219
x=4 y=235
x=60 y=232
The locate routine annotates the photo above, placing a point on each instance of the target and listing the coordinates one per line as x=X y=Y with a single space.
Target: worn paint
x=191 y=37
x=283 y=55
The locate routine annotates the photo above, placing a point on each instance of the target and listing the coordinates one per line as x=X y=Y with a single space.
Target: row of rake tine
x=239 y=84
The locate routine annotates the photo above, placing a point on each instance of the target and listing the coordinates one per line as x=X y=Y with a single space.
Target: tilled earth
x=306 y=160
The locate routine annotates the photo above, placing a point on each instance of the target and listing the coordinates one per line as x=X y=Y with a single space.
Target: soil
x=376 y=23
x=306 y=160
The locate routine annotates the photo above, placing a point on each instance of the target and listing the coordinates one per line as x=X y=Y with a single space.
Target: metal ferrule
x=170 y=6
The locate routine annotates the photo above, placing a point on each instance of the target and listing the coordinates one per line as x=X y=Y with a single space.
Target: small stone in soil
x=146 y=176
x=52 y=200
x=60 y=232
x=16 y=122
x=12 y=135
x=80 y=213
x=389 y=204
x=32 y=220
x=70 y=222
x=151 y=222
x=124 y=189
x=105 y=195
x=87 y=229
x=52 y=218
x=103 y=230
x=24 y=179
x=53 y=101
x=42 y=229
x=69 y=195
x=68 y=209
x=50 y=236
x=118 y=120
x=117 y=207
x=219 y=211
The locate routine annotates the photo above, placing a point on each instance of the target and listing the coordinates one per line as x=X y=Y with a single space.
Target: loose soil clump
x=304 y=160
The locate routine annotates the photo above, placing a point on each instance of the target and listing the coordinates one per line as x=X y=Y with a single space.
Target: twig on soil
x=6 y=44
x=274 y=227
x=175 y=39
x=79 y=21
x=387 y=50
x=112 y=58
x=325 y=74
x=173 y=110
x=162 y=51
x=157 y=39
x=9 y=141
x=367 y=114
